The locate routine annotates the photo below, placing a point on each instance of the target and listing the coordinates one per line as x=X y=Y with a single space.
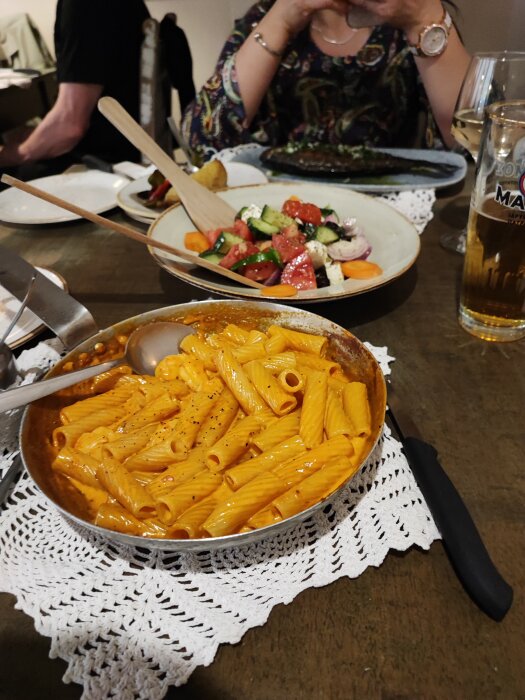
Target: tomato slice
x=240 y=228
x=288 y=248
x=238 y=252
x=300 y=272
x=291 y=207
x=310 y=214
x=259 y=272
x=292 y=231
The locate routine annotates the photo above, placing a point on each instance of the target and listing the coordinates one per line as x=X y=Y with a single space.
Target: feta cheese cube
x=334 y=272
x=251 y=212
x=318 y=253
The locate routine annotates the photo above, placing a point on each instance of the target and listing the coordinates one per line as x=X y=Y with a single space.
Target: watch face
x=434 y=41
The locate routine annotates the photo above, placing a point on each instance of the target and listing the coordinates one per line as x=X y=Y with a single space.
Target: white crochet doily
x=415 y=204
x=131 y=622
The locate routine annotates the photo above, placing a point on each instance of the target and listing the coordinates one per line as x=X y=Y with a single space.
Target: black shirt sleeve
x=99 y=42
x=84 y=36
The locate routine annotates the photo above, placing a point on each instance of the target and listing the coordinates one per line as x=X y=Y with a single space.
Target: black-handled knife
x=461 y=539
x=96 y=163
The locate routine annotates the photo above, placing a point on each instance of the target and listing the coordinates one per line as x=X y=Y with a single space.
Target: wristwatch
x=433 y=38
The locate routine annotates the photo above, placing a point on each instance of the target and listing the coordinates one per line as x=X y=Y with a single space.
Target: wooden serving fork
x=206 y=209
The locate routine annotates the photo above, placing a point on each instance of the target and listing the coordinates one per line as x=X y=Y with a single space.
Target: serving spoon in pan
x=146 y=347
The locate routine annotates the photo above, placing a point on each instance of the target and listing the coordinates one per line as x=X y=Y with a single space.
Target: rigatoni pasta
x=242 y=429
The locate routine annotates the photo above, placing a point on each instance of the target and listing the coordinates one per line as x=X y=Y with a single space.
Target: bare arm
x=441 y=76
x=256 y=66
x=62 y=128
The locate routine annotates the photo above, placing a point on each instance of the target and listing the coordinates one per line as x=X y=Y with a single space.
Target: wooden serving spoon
x=206 y=209
x=129 y=232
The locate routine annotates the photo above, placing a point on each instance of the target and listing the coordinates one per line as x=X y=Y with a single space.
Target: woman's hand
x=256 y=64
x=408 y=15
x=294 y=15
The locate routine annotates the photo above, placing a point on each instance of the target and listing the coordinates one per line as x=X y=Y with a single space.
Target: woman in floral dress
x=294 y=70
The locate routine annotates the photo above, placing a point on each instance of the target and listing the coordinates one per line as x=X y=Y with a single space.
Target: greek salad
x=302 y=245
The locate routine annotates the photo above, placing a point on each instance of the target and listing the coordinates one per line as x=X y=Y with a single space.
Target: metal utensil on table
x=20 y=310
x=96 y=163
x=8 y=371
x=183 y=145
x=461 y=539
x=146 y=347
x=206 y=209
x=63 y=314
x=9 y=477
x=129 y=232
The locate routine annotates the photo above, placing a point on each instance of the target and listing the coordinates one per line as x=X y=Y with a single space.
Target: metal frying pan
x=42 y=416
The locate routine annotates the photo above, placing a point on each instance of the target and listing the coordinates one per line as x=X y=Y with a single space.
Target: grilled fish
x=340 y=161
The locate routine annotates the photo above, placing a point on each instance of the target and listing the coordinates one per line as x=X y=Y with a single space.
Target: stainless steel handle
x=22 y=395
x=20 y=311
x=9 y=477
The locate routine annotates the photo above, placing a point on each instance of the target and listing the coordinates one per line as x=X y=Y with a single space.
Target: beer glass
x=490 y=77
x=492 y=302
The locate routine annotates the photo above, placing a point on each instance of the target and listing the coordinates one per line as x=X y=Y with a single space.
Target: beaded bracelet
x=260 y=40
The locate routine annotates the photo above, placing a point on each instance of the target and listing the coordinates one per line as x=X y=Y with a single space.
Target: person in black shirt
x=97 y=45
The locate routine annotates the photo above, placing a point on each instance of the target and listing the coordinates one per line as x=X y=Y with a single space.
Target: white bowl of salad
x=299 y=240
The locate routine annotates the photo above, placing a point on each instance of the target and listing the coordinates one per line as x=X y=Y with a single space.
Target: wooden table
x=407 y=629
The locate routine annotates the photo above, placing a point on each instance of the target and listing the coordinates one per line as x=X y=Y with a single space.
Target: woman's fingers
x=295 y=14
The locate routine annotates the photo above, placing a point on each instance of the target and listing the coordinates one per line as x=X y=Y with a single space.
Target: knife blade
x=462 y=541
x=63 y=314
x=96 y=163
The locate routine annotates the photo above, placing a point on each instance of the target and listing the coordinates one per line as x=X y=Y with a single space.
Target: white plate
x=249 y=154
x=394 y=240
x=28 y=324
x=90 y=189
x=239 y=174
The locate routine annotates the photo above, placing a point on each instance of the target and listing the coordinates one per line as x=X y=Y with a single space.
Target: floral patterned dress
x=374 y=98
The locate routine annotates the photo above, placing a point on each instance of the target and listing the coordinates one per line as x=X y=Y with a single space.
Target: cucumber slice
x=326 y=235
x=212 y=257
x=226 y=241
x=275 y=218
x=261 y=228
x=232 y=239
x=240 y=213
x=309 y=230
x=328 y=211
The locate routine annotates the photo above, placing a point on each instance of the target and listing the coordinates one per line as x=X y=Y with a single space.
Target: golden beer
x=493 y=295
x=492 y=301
